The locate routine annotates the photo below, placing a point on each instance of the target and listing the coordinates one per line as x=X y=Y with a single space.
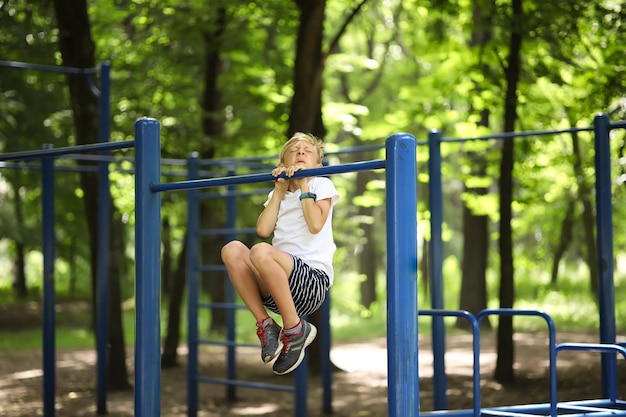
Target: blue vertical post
x=402 y=344
x=148 y=268
x=435 y=198
x=231 y=357
x=48 y=239
x=604 y=225
x=193 y=225
x=104 y=239
x=327 y=366
x=301 y=383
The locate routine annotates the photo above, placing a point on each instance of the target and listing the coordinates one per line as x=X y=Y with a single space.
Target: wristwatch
x=308 y=195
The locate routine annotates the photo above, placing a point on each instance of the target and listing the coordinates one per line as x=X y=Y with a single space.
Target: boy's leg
x=245 y=278
x=274 y=268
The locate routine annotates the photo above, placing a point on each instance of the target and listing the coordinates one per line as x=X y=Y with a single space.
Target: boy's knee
x=259 y=251
x=232 y=250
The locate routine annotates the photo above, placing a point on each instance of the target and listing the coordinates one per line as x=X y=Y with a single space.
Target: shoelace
x=260 y=331
x=286 y=340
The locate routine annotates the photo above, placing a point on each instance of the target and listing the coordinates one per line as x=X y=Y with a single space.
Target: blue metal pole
x=604 y=225
x=327 y=366
x=301 y=388
x=231 y=223
x=402 y=344
x=193 y=225
x=104 y=239
x=147 y=267
x=48 y=239
x=440 y=400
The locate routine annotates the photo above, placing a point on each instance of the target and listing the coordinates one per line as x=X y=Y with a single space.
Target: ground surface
x=359 y=390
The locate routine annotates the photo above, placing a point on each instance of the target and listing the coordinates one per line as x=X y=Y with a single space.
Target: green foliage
x=400 y=66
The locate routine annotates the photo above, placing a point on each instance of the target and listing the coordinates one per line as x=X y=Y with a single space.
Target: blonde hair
x=305 y=137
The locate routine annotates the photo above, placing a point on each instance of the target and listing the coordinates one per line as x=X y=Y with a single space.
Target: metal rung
x=248 y=384
x=488 y=412
x=225 y=343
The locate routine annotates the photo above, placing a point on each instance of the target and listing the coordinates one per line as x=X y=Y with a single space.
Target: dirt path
x=360 y=391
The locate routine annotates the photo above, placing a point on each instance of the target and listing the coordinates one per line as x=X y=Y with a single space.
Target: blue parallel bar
x=475 y=350
x=104 y=240
x=402 y=343
x=438 y=334
x=193 y=224
x=604 y=237
x=597 y=347
x=147 y=265
x=48 y=239
x=551 y=343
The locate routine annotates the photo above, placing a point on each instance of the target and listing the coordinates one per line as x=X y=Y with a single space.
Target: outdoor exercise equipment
x=401 y=184
x=103 y=93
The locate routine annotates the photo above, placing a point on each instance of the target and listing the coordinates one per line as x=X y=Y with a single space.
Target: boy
x=291 y=276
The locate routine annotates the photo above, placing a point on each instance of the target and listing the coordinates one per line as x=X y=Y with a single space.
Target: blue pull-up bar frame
x=401 y=186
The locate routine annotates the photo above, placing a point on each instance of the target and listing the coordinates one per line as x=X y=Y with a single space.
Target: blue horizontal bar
x=538 y=409
x=49 y=152
x=211 y=268
x=254 y=178
x=594 y=347
x=513 y=135
x=247 y=384
x=49 y=68
x=227 y=231
x=235 y=306
x=241 y=193
x=226 y=343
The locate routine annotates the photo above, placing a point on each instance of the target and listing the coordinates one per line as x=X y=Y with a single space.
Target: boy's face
x=301 y=154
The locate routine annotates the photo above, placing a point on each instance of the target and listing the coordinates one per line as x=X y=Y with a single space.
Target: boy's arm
x=266 y=222
x=315 y=213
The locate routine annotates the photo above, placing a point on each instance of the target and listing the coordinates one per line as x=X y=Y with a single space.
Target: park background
x=235 y=79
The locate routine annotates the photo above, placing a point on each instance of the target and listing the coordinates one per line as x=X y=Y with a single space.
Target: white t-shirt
x=292 y=234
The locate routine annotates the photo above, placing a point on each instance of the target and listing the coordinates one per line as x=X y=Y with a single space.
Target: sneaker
x=294 y=346
x=269 y=336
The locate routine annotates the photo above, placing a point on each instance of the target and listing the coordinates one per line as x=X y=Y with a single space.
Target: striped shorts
x=308 y=287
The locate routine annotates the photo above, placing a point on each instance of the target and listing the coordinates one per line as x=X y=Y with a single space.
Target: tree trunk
x=565 y=237
x=585 y=194
x=306 y=104
x=117 y=370
x=19 y=265
x=368 y=258
x=473 y=297
x=213 y=130
x=78 y=50
x=504 y=373
x=169 y=358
